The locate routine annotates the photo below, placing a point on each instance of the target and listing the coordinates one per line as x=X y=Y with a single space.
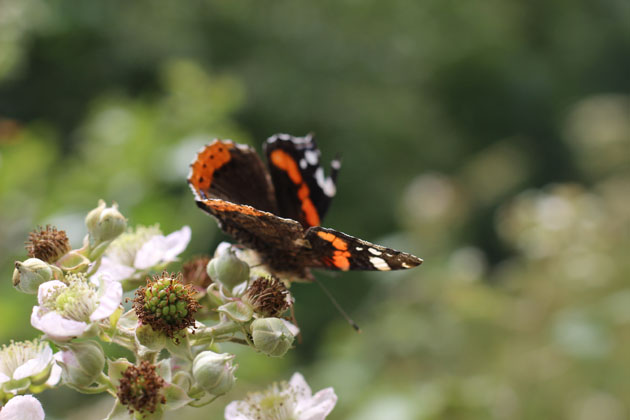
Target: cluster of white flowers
x=80 y=301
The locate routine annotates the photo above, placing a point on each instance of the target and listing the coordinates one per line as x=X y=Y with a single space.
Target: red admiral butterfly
x=277 y=211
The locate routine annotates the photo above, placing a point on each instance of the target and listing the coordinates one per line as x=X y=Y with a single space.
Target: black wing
x=303 y=191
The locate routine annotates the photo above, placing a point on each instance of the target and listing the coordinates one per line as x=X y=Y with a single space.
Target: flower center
x=127 y=245
x=17 y=353
x=77 y=301
x=277 y=403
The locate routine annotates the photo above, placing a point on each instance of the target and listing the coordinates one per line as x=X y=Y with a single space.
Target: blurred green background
x=491 y=138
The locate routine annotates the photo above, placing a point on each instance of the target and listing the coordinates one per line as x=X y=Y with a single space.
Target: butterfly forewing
x=303 y=191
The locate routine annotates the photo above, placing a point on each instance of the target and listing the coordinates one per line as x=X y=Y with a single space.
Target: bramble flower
x=22 y=407
x=166 y=304
x=140 y=388
x=284 y=401
x=27 y=364
x=268 y=296
x=145 y=390
x=48 y=244
x=68 y=310
x=136 y=251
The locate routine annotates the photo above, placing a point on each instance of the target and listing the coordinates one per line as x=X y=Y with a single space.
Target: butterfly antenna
x=339 y=308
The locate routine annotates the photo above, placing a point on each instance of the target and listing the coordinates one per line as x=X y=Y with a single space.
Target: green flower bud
x=228 y=270
x=271 y=336
x=82 y=363
x=214 y=372
x=28 y=275
x=148 y=337
x=104 y=223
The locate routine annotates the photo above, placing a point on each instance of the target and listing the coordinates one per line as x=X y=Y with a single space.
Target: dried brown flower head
x=140 y=388
x=48 y=244
x=268 y=296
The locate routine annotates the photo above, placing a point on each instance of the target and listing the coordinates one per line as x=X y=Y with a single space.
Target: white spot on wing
x=359 y=248
x=374 y=251
x=311 y=157
x=405 y=265
x=303 y=164
x=335 y=164
x=326 y=184
x=379 y=264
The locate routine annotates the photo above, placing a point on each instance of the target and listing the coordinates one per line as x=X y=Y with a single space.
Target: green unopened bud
x=228 y=270
x=214 y=372
x=28 y=275
x=148 y=337
x=271 y=336
x=82 y=363
x=104 y=223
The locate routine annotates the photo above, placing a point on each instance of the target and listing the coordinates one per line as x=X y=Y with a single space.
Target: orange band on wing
x=341 y=255
x=221 y=205
x=282 y=160
x=209 y=160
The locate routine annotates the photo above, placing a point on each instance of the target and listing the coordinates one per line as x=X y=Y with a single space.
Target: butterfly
x=277 y=209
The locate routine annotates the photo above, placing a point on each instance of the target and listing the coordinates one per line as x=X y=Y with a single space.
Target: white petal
x=55 y=374
x=55 y=326
x=177 y=242
x=300 y=388
x=34 y=366
x=109 y=301
x=22 y=407
x=45 y=289
x=161 y=249
x=112 y=270
x=232 y=412
x=318 y=407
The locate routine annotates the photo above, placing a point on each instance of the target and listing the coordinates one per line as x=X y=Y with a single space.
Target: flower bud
x=28 y=275
x=148 y=337
x=82 y=363
x=104 y=223
x=271 y=336
x=227 y=269
x=214 y=372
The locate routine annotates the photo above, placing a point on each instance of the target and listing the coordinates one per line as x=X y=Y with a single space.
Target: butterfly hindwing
x=232 y=172
x=338 y=251
x=303 y=191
